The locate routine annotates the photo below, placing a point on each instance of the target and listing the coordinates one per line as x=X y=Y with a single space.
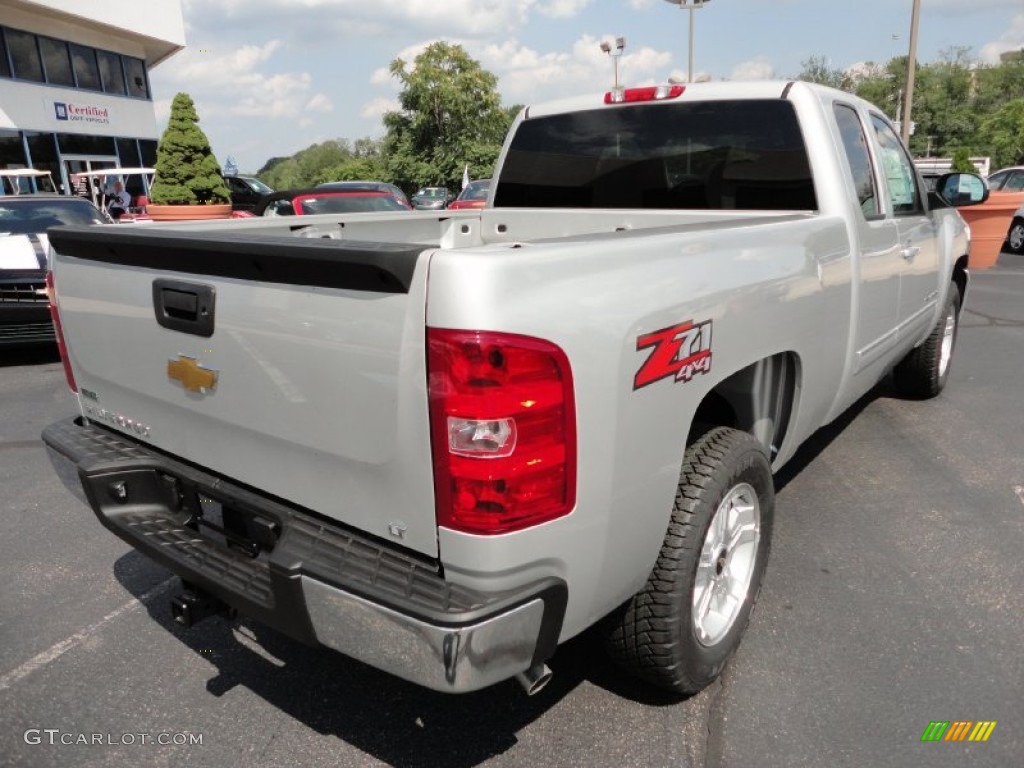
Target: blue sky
x=271 y=77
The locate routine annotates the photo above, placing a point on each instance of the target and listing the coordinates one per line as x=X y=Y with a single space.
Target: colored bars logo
x=958 y=730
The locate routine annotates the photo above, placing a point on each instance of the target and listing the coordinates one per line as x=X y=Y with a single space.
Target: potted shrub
x=188 y=183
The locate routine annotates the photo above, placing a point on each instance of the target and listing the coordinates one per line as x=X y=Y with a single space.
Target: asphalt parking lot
x=894 y=597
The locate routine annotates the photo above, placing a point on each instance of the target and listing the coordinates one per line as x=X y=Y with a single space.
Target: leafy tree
x=450 y=117
x=962 y=161
x=1001 y=134
x=816 y=69
x=187 y=173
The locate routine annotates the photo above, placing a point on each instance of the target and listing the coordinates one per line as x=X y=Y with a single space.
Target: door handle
x=910 y=252
x=184 y=307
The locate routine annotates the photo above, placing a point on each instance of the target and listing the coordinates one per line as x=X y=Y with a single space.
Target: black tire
x=924 y=371
x=657 y=635
x=1015 y=237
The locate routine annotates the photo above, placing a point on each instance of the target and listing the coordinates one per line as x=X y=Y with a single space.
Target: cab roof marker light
x=649 y=93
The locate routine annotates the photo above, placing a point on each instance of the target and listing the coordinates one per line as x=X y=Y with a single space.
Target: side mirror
x=960 y=190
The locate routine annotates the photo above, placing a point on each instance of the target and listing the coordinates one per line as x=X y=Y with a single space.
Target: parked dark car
x=24 y=219
x=246 y=192
x=474 y=195
x=308 y=202
x=431 y=198
x=377 y=186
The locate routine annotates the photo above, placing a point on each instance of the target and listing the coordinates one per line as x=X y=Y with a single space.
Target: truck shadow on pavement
x=397 y=722
x=394 y=721
x=34 y=355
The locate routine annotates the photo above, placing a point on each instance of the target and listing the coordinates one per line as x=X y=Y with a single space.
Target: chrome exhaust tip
x=534 y=679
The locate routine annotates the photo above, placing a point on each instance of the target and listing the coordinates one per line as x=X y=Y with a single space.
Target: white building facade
x=74 y=82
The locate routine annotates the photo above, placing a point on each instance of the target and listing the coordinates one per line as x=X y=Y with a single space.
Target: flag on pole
x=465 y=177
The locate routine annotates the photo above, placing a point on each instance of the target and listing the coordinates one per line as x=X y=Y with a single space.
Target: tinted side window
x=24 y=55
x=87 y=71
x=110 y=69
x=136 y=73
x=1014 y=182
x=996 y=180
x=901 y=179
x=746 y=155
x=58 y=64
x=855 y=146
x=5 y=70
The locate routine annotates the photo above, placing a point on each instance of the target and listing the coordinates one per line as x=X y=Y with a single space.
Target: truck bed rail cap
x=326 y=263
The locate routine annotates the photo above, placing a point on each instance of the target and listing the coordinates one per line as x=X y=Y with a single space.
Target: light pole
x=620 y=45
x=689 y=5
x=915 y=15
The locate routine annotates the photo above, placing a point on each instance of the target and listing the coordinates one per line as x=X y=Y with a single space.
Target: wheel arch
x=960 y=277
x=759 y=398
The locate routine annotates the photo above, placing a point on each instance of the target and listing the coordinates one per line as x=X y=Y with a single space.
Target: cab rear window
x=724 y=155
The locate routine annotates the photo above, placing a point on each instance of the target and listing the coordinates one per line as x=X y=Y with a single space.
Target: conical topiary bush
x=187 y=173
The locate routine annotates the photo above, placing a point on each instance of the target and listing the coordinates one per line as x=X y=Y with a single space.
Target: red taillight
x=503 y=424
x=650 y=93
x=51 y=295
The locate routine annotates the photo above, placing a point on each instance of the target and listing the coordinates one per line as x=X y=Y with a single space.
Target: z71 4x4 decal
x=681 y=351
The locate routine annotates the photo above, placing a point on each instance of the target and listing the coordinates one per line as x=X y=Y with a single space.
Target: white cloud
x=528 y=76
x=375 y=108
x=758 y=68
x=383 y=76
x=231 y=83
x=1011 y=40
x=351 y=19
x=319 y=103
x=562 y=9
x=640 y=5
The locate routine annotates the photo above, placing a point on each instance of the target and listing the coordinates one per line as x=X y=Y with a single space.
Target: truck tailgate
x=294 y=366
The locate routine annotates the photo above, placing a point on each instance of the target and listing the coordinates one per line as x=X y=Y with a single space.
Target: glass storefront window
x=128 y=153
x=110 y=70
x=87 y=71
x=74 y=144
x=147 y=148
x=12 y=152
x=56 y=61
x=44 y=156
x=24 y=55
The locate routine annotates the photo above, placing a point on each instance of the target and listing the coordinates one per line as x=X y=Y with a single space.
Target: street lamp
x=905 y=124
x=620 y=44
x=689 y=5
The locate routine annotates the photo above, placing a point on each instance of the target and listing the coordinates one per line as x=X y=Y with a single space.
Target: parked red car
x=308 y=202
x=473 y=196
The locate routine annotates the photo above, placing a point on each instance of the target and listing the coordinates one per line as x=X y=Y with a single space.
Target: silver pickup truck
x=445 y=442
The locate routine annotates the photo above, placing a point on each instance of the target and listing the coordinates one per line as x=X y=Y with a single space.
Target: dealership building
x=74 y=82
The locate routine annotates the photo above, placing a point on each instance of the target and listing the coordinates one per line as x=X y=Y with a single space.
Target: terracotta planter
x=989 y=223
x=188 y=212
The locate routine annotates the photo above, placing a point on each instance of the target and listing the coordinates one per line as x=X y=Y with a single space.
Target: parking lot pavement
x=895 y=592
x=893 y=598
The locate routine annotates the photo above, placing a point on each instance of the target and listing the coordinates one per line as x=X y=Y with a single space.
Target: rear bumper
x=312 y=578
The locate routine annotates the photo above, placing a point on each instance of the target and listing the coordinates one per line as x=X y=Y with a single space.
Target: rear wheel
x=1015 y=237
x=686 y=622
x=924 y=371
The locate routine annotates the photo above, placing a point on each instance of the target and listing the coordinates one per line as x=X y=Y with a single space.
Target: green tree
x=962 y=161
x=187 y=173
x=1002 y=134
x=816 y=69
x=450 y=117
